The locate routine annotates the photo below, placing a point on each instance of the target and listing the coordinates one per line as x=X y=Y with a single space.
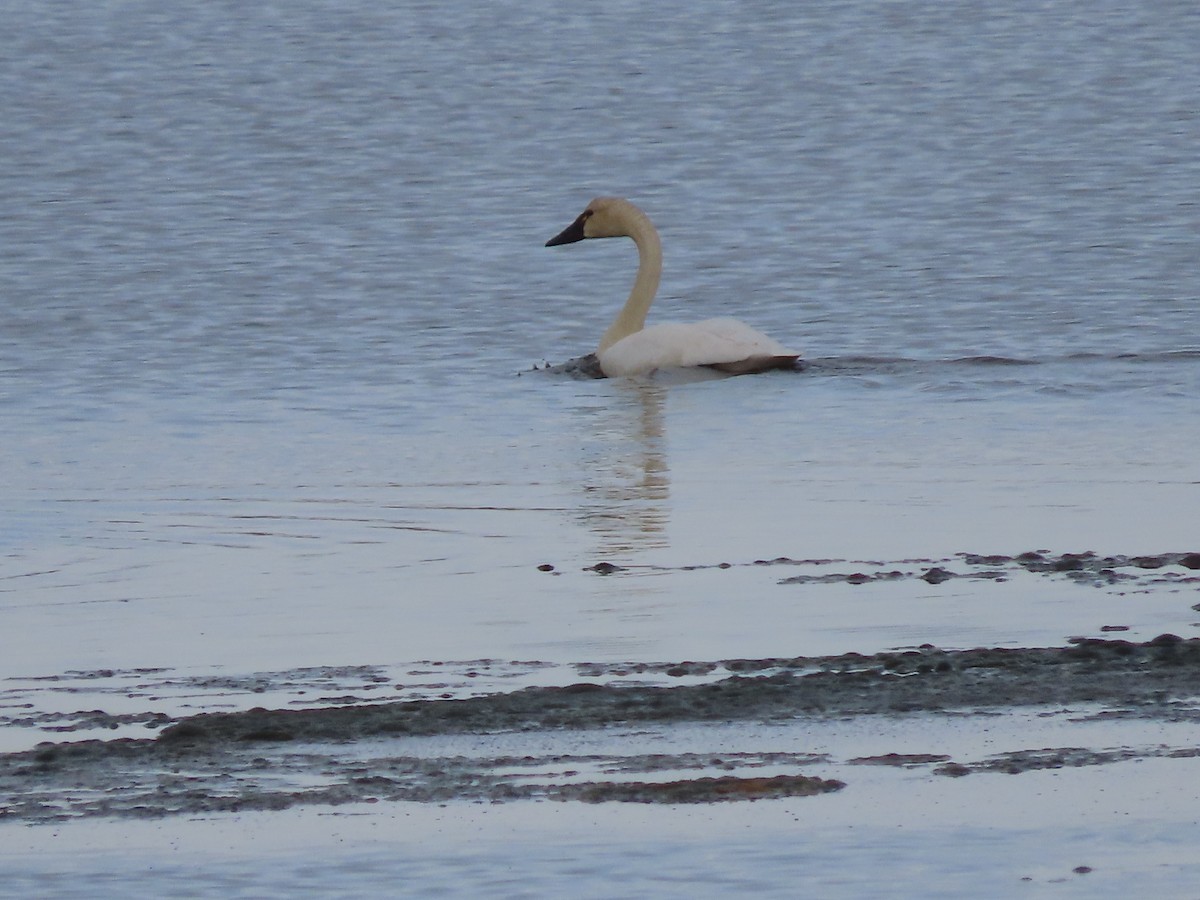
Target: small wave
x=1160 y=356
x=891 y=365
x=991 y=361
x=899 y=365
x=581 y=367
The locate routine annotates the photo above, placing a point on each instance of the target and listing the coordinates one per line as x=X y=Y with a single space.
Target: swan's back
x=724 y=344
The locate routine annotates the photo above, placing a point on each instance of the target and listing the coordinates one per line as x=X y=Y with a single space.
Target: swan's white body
x=712 y=342
x=628 y=347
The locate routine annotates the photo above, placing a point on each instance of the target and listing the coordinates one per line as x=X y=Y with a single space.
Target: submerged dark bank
x=925 y=679
x=272 y=759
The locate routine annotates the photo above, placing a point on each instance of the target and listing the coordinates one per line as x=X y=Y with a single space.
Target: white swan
x=628 y=348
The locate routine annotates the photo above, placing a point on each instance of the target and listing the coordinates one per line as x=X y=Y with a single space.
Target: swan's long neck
x=632 y=317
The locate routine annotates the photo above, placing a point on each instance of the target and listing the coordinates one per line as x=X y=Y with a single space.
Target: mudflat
x=540 y=742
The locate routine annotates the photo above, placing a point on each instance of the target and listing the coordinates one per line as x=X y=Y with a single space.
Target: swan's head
x=604 y=217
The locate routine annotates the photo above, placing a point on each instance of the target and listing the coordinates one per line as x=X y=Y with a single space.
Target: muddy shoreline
x=274 y=759
x=927 y=679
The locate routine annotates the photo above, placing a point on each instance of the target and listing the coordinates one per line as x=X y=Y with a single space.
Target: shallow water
x=272 y=283
x=863 y=844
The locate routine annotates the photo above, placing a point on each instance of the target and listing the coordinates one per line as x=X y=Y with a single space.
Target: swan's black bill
x=570 y=234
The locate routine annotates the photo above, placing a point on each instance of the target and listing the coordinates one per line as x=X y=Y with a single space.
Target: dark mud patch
x=1018 y=761
x=1087 y=568
x=71 y=782
x=708 y=790
x=273 y=759
x=923 y=679
x=73 y=702
x=900 y=760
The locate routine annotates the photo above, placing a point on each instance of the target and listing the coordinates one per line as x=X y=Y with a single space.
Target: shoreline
x=526 y=744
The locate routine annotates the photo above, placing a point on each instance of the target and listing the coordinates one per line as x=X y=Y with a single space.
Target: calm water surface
x=272 y=279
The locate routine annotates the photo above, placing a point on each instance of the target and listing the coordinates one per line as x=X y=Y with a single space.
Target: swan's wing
x=739 y=338
x=713 y=342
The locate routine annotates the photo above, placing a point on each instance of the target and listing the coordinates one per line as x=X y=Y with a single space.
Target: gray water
x=272 y=282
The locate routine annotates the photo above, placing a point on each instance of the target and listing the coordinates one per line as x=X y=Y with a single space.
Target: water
x=269 y=275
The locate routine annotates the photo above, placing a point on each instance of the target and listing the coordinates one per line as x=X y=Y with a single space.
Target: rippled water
x=272 y=281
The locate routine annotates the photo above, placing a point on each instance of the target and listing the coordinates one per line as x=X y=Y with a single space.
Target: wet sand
x=582 y=742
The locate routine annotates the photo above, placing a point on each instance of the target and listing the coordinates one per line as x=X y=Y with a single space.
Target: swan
x=628 y=347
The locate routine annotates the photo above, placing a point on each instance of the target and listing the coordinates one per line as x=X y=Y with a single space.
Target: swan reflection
x=626 y=477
